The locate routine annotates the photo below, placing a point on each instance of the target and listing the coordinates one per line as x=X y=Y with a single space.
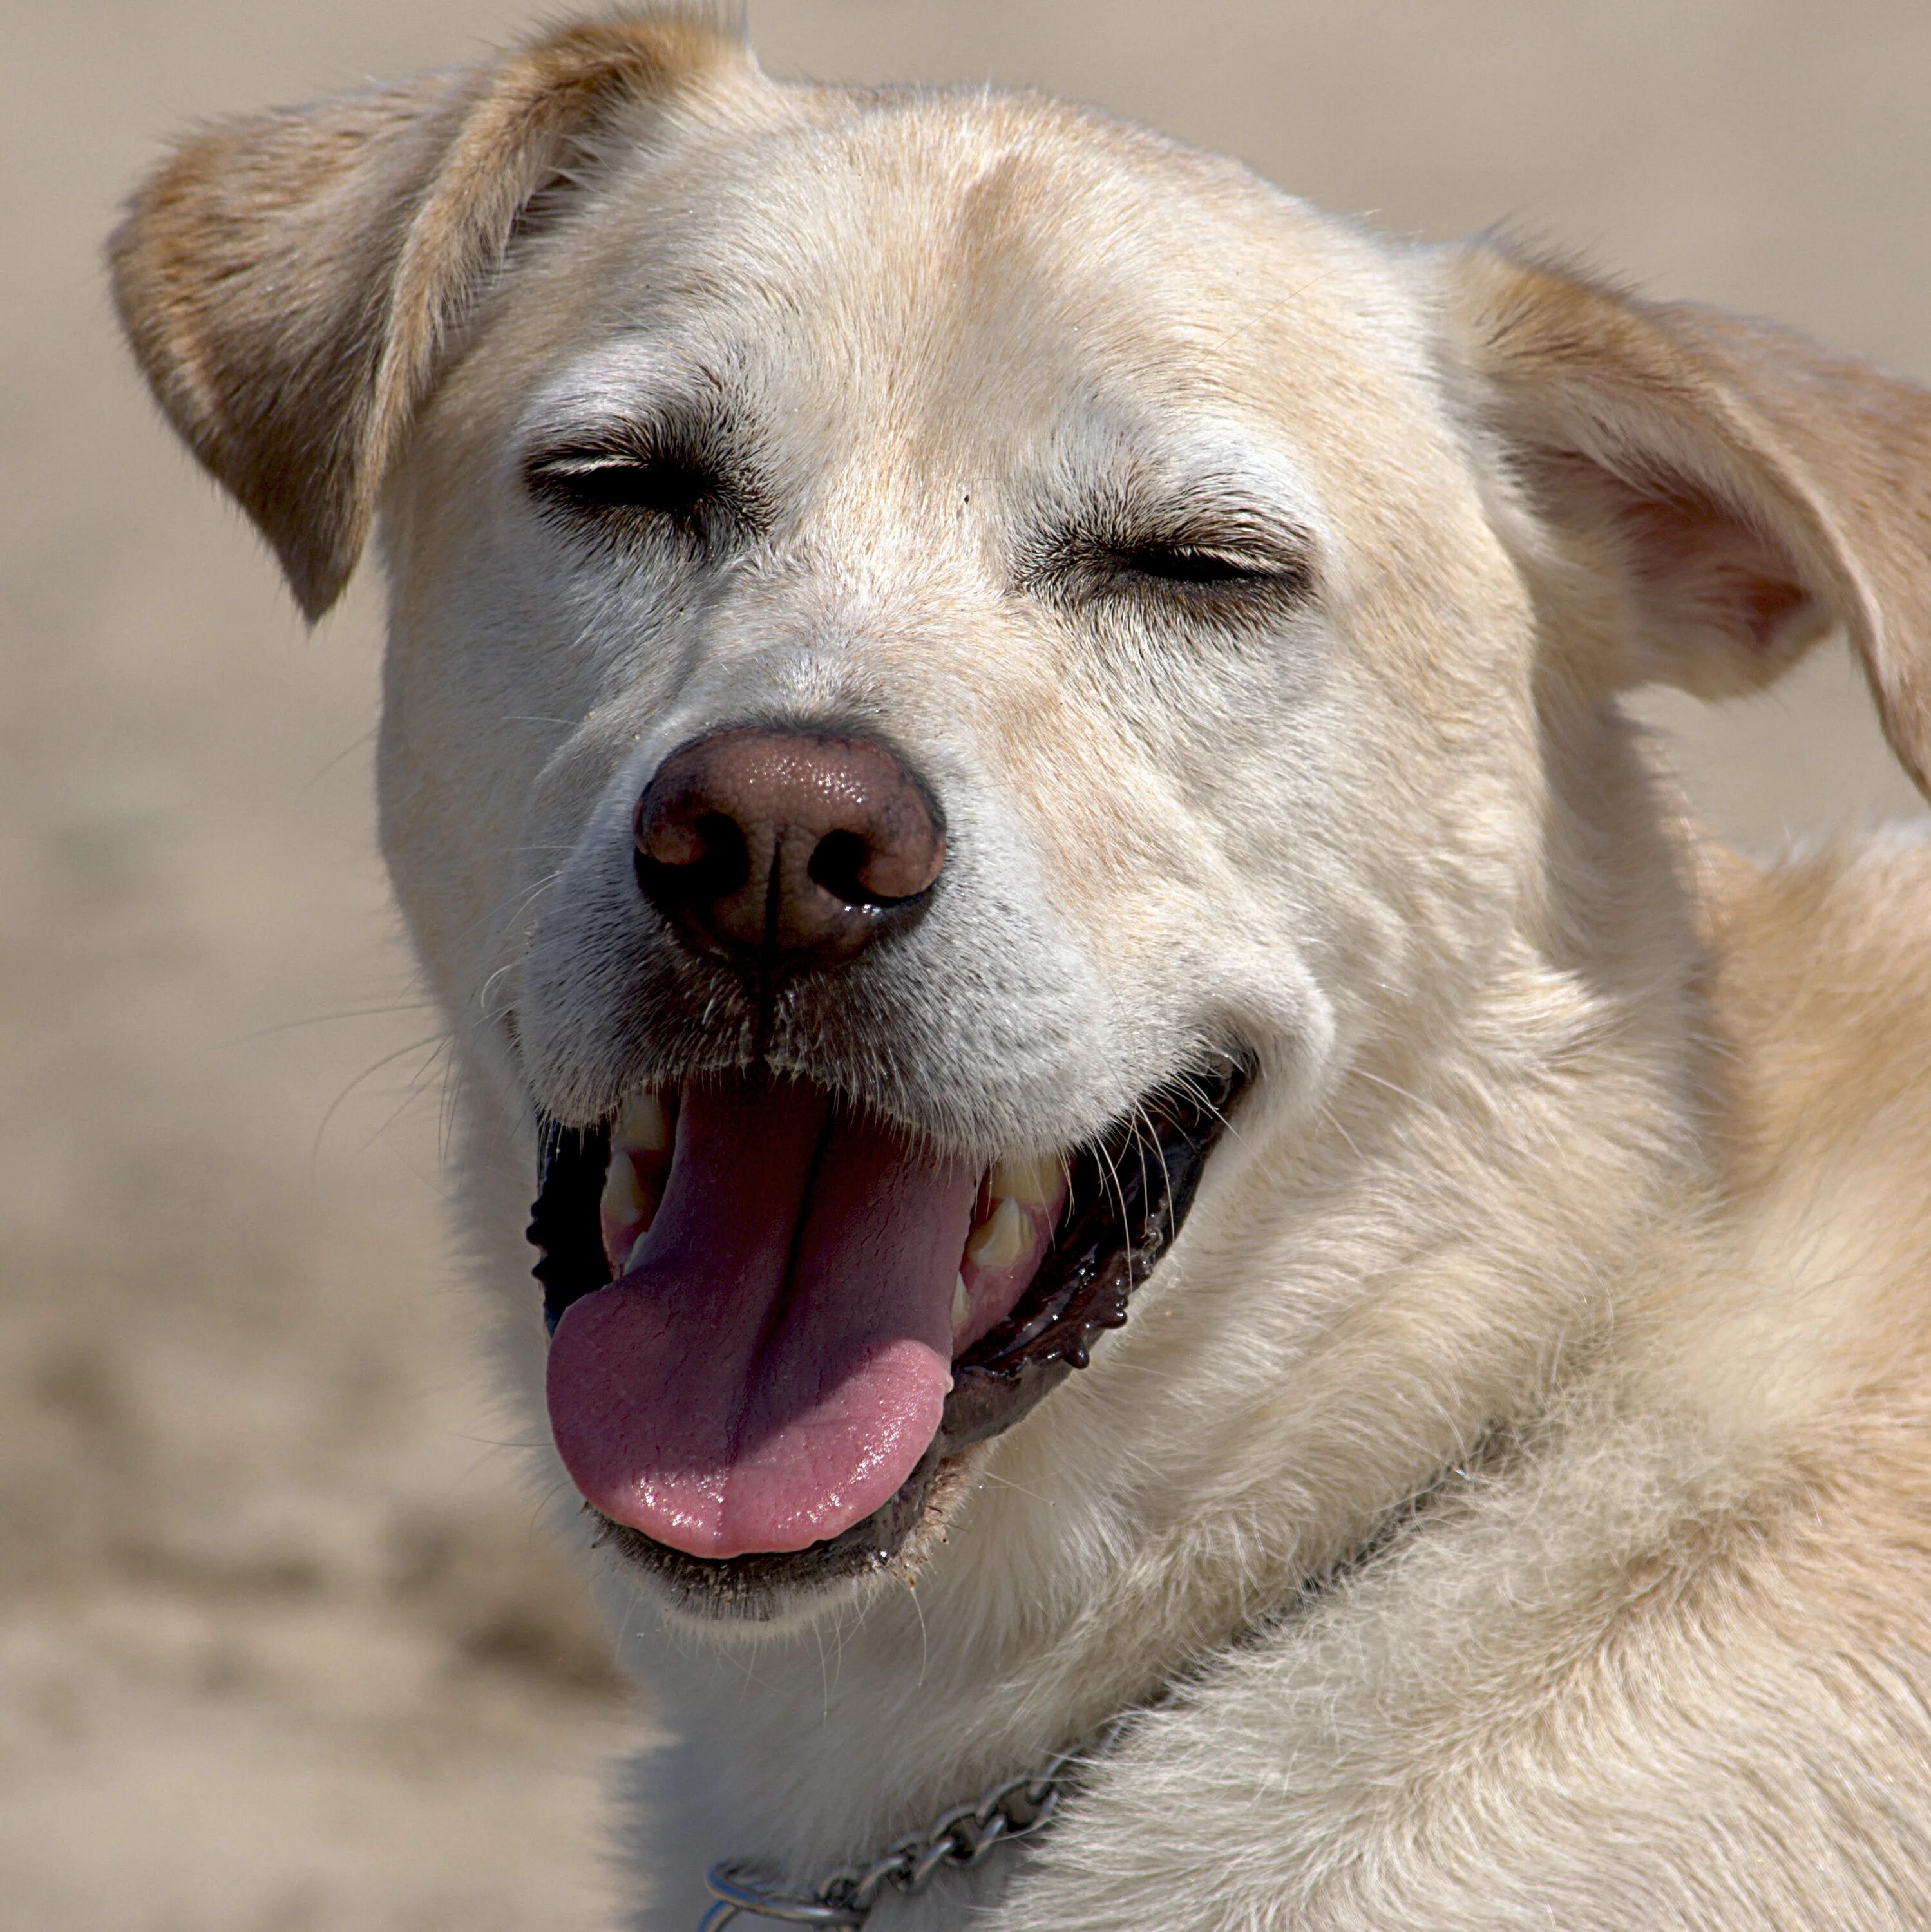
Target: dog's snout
x=779 y=847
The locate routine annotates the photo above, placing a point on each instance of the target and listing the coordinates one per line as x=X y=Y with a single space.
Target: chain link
x=964 y=1837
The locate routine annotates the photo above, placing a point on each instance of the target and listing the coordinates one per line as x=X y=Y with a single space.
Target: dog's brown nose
x=775 y=847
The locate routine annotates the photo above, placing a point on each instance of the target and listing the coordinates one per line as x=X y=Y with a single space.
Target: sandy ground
x=282 y=1645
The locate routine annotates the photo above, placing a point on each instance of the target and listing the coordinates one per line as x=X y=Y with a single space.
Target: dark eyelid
x=566 y=452
x=1239 y=554
x=685 y=473
x=1241 y=551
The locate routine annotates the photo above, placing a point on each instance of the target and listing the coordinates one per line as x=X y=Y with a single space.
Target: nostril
x=669 y=840
x=694 y=859
x=838 y=865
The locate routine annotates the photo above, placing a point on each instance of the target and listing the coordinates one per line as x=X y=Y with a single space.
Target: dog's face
x=959 y=673
x=1095 y=497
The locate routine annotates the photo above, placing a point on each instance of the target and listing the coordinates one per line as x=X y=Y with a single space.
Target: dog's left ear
x=1746 y=491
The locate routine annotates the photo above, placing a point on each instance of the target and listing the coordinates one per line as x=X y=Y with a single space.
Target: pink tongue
x=775 y=1365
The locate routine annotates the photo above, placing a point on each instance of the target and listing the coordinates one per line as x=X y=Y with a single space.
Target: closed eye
x=612 y=483
x=664 y=488
x=1209 y=573
x=1192 y=563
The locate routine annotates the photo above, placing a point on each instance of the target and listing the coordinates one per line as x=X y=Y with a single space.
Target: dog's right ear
x=291 y=283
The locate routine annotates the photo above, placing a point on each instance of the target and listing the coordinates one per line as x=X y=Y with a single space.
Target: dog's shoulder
x=1801 y=1307
x=1821 y=982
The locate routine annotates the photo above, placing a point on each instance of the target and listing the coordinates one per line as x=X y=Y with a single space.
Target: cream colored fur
x=1580 y=1202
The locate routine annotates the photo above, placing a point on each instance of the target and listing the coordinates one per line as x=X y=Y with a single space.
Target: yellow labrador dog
x=1151 y=1143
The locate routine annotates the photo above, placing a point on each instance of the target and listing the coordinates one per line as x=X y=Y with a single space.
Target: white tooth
x=642 y=1124
x=961 y=1304
x=622 y=1193
x=636 y=1248
x=999 y=1242
x=1035 y=1182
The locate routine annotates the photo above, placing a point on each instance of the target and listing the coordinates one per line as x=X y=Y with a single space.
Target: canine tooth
x=630 y=1260
x=1000 y=1240
x=642 y=1124
x=622 y=1192
x=961 y=1304
x=1034 y=1182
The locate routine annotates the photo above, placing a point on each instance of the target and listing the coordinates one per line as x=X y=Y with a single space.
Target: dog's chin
x=783 y=1588
x=1111 y=1211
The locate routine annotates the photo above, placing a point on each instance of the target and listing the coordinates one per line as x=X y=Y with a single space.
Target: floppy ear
x=290 y=282
x=1747 y=490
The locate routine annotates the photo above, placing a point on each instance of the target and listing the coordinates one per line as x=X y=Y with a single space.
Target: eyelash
x=1187 y=564
x=1209 y=575
x=597 y=483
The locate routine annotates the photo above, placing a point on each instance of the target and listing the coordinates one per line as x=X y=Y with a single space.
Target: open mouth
x=775 y=1317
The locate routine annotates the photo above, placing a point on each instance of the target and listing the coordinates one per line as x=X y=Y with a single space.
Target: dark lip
x=1131 y=1187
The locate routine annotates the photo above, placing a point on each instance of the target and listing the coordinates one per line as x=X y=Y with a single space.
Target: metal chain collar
x=965 y=1836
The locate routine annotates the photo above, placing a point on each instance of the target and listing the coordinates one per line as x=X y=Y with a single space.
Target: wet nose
x=772 y=848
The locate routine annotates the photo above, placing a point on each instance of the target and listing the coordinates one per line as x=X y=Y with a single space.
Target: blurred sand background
x=282 y=1645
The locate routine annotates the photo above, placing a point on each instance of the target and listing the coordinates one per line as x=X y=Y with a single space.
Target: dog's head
x=960 y=671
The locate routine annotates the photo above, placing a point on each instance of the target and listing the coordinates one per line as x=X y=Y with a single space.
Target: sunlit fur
x=1520 y=1464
